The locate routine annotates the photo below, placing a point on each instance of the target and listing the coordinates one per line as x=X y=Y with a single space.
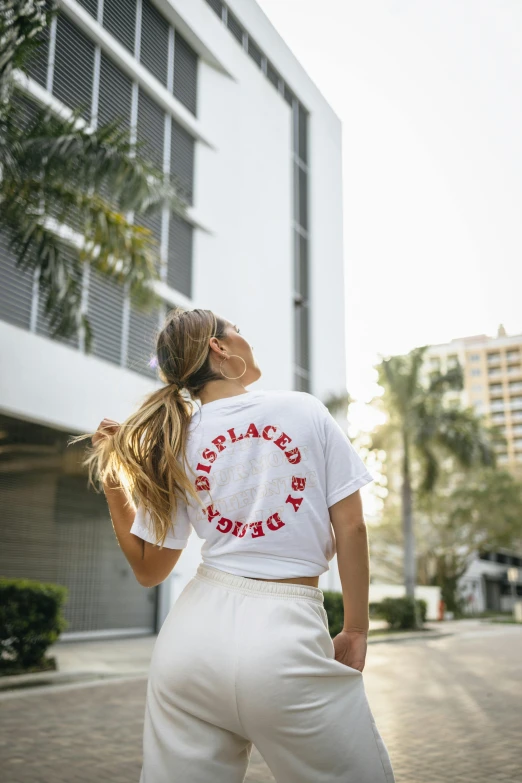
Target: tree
x=478 y=511
x=421 y=429
x=67 y=191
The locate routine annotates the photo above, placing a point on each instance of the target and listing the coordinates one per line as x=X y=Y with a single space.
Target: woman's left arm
x=150 y=564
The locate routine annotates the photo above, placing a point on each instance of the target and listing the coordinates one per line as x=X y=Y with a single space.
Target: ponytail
x=146 y=456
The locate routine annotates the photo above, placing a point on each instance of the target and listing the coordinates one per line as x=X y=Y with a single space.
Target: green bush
x=31 y=620
x=333 y=603
x=399 y=613
x=375 y=610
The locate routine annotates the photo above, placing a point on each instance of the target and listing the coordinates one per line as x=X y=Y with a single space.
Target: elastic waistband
x=241 y=584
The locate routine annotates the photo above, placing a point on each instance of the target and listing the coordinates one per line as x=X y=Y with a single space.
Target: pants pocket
x=330 y=645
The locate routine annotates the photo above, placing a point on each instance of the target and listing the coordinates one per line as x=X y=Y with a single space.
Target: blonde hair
x=146 y=456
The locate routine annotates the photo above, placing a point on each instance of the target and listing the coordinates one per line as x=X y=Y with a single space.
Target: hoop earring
x=229 y=357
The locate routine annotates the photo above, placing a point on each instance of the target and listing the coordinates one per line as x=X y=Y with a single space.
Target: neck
x=219 y=390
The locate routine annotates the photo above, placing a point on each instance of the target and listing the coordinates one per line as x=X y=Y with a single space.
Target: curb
x=403 y=637
x=41 y=679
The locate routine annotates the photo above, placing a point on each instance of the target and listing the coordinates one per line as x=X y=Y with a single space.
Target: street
x=449 y=709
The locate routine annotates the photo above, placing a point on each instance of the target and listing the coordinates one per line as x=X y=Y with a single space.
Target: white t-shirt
x=268 y=465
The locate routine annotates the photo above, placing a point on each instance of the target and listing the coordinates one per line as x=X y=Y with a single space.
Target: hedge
x=398 y=612
x=31 y=620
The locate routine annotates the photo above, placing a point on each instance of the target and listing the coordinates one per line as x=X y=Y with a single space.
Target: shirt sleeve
x=175 y=539
x=345 y=470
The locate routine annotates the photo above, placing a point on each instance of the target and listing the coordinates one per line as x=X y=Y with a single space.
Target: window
x=255 y=52
x=272 y=74
x=185 y=73
x=43 y=322
x=179 y=269
x=234 y=27
x=154 y=44
x=288 y=95
x=182 y=160
x=216 y=6
x=105 y=313
x=91 y=6
x=302 y=150
x=115 y=94
x=143 y=332
x=36 y=66
x=150 y=129
x=16 y=288
x=73 y=67
x=119 y=18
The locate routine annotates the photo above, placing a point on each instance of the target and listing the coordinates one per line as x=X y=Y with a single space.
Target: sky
x=430 y=96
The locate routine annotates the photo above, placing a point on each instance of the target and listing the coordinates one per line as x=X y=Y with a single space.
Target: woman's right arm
x=351 y=540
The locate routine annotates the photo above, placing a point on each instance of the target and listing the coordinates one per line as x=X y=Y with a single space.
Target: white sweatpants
x=241 y=661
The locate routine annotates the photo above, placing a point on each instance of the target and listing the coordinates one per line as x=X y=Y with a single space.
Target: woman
x=271 y=484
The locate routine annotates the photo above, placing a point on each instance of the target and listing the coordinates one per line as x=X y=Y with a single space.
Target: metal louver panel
x=304 y=287
x=55 y=529
x=217 y=7
x=105 y=313
x=301 y=328
x=288 y=95
x=36 y=66
x=150 y=129
x=143 y=332
x=303 y=198
x=29 y=546
x=27 y=109
x=16 y=288
x=119 y=18
x=182 y=160
x=272 y=75
x=179 y=270
x=43 y=320
x=115 y=95
x=255 y=52
x=234 y=27
x=154 y=52
x=103 y=592
x=91 y=6
x=153 y=223
x=185 y=73
x=303 y=134
x=73 y=67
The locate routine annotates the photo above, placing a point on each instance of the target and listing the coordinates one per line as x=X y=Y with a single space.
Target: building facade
x=492 y=368
x=213 y=96
x=485 y=585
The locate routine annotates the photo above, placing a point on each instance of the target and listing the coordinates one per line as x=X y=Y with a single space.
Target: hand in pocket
x=350 y=648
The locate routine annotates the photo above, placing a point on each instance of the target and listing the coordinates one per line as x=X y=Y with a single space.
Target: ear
x=215 y=346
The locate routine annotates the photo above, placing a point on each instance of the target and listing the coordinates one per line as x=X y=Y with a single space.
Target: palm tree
x=422 y=428
x=68 y=193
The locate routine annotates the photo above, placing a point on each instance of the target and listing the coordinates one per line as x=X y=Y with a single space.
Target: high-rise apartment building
x=492 y=368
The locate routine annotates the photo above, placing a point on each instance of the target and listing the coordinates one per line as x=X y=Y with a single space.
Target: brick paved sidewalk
x=448 y=709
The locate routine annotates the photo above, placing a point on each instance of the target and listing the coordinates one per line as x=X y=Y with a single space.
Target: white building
x=219 y=100
x=485 y=585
